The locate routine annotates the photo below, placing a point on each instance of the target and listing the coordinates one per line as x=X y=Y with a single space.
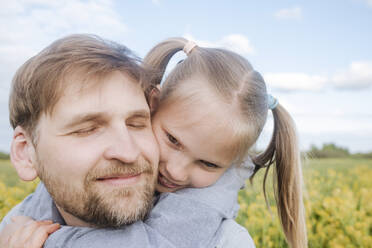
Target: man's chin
x=106 y=207
x=120 y=207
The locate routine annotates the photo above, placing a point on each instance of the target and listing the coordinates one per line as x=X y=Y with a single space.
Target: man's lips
x=166 y=183
x=120 y=180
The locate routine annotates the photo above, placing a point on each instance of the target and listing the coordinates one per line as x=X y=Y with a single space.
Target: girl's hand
x=25 y=232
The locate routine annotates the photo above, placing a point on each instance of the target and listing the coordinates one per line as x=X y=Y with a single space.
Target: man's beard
x=104 y=208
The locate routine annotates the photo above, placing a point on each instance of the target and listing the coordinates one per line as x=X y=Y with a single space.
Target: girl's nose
x=178 y=169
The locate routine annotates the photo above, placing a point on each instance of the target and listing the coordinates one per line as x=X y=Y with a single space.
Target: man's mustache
x=117 y=168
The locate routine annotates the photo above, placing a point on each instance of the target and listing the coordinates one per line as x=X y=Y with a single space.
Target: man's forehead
x=82 y=81
x=96 y=94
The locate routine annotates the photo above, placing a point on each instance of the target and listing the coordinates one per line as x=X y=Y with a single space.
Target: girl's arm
x=186 y=218
x=25 y=232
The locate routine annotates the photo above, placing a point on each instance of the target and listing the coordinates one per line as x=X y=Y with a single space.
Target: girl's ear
x=22 y=152
x=154 y=99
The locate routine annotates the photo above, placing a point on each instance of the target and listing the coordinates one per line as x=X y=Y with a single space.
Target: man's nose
x=122 y=146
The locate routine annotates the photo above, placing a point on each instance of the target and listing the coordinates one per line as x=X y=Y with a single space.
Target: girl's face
x=193 y=144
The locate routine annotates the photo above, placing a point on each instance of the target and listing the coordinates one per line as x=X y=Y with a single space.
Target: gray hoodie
x=190 y=217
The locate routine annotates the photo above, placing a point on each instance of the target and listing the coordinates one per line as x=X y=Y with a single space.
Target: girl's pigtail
x=284 y=152
x=158 y=57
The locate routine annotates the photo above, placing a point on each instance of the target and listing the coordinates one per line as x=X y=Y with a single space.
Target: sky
x=315 y=56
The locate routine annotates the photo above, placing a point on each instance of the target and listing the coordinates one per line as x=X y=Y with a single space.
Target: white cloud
x=357 y=76
x=342 y=117
x=155 y=1
x=295 y=81
x=234 y=42
x=369 y=2
x=290 y=13
x=238 y=43
x=27 y=26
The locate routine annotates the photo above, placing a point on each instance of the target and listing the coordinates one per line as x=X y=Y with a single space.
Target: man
x=82 y=124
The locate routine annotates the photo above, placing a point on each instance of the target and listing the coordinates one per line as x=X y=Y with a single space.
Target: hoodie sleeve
x=187 y=218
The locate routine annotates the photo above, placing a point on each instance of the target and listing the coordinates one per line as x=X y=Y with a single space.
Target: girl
x=211 y=110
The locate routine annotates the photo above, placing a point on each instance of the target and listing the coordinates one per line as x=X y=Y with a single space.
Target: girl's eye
x=209 y=165
x=173 y=140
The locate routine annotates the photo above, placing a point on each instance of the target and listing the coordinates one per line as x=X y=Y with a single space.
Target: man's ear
x=153 y=97
x=22 y=152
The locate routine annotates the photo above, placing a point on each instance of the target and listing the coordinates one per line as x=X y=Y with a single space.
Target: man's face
x=96 y=152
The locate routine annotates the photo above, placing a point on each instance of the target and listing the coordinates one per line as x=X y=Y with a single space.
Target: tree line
x=331 y=150
x=4 y=155
x=328 y=150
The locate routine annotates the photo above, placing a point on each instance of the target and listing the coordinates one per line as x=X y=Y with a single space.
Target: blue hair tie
x=272 y=102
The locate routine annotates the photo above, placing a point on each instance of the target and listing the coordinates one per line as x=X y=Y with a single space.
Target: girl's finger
x=21 y=219
x=40 y=235
x=17 y=239
x=23 y=231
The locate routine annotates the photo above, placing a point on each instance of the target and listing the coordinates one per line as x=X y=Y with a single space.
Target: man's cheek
x=148 y=145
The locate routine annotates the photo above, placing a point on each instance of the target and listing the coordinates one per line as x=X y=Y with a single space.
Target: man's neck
x=72 y=220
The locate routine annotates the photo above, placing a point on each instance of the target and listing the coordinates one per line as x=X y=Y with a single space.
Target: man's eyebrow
x=99 y=117
x=83 y=118
x=142 y=113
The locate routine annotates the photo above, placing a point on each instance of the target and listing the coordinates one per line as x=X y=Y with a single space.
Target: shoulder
x=20 y=209
x=17 y=210
x=233 y=235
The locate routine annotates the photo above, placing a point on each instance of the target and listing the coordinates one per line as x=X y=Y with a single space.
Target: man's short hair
x=40 y=82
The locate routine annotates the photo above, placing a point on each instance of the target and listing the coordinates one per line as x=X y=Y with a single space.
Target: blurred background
x=315 y=56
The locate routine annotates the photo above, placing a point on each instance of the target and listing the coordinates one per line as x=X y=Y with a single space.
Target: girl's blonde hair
x=234 y=80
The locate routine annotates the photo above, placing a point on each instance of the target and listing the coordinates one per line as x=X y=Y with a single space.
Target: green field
x=337 y=200
x=8 y=175
x=12 y=190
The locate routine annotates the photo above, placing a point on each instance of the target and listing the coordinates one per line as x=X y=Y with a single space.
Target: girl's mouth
x=162 y=180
